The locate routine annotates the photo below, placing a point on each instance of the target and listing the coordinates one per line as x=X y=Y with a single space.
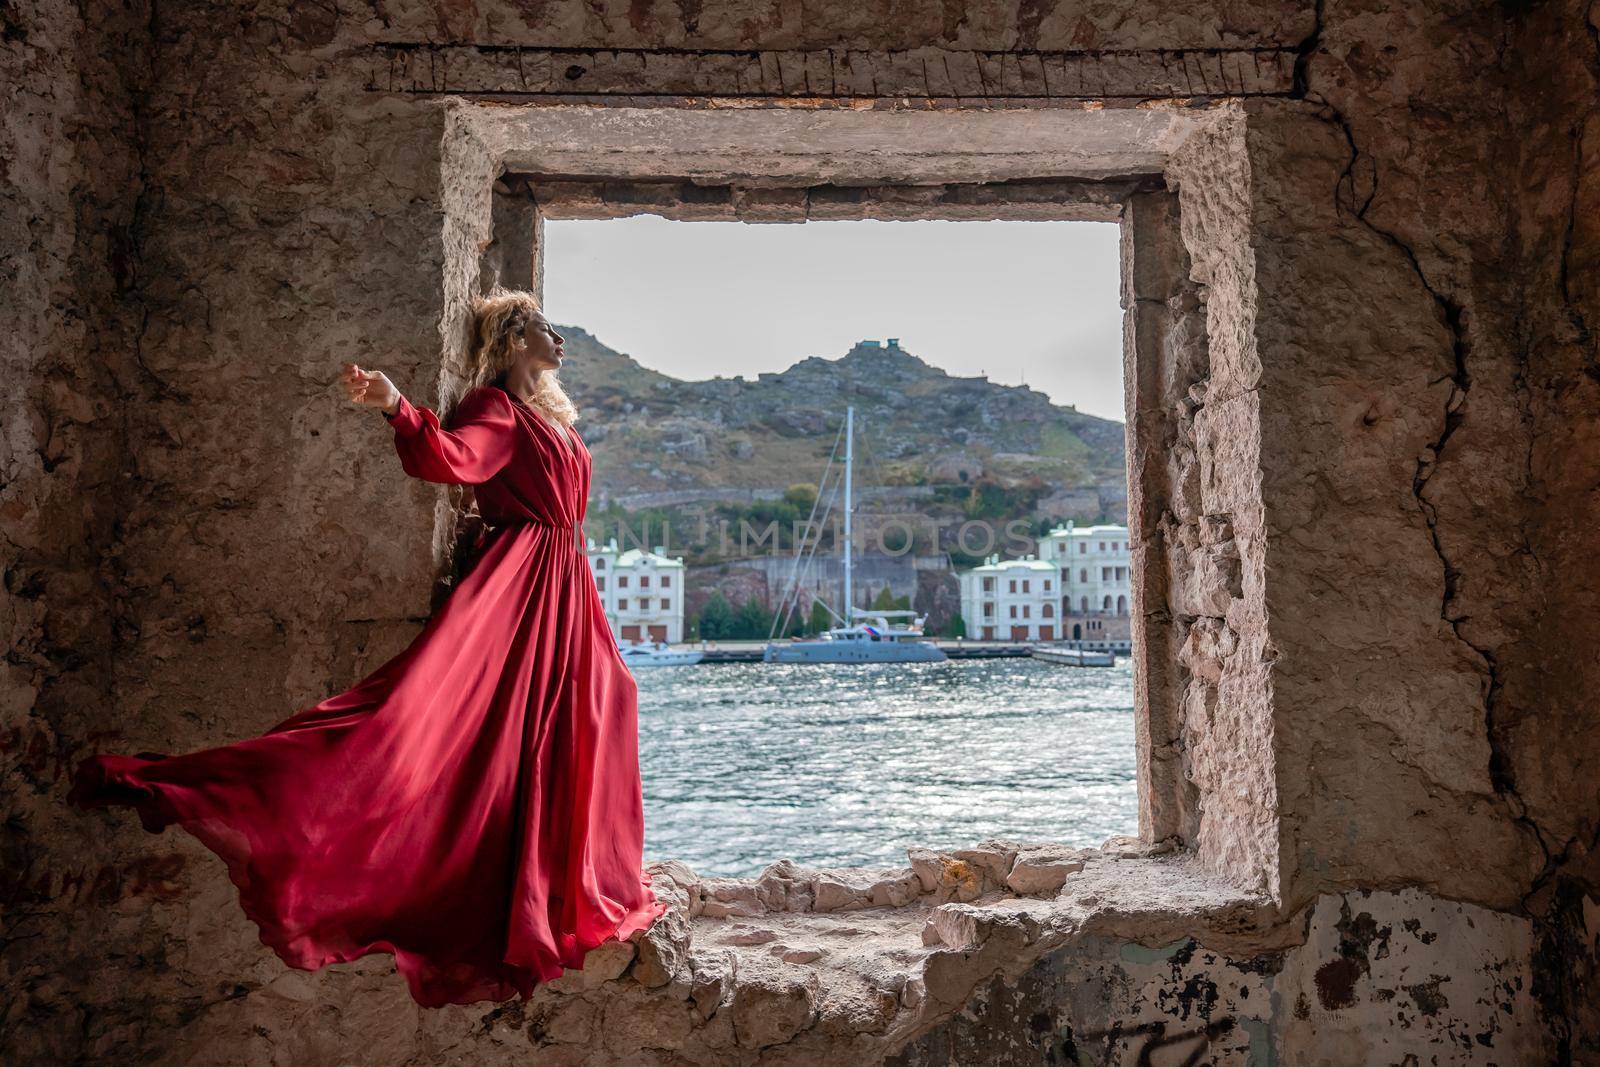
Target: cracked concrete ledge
x=807 y=958
x=1008 y=953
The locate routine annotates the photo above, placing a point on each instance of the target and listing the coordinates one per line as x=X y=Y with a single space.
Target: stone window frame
x=1172 y=176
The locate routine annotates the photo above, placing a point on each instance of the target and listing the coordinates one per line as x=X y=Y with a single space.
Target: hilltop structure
x=662 y=441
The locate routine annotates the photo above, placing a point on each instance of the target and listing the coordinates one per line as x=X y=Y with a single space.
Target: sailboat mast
x=849 y=545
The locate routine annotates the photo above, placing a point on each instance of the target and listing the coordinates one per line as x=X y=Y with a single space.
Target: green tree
x=801 y=497
x=796 y=627
x=751 y=621
x=820 y=619
x=887 y=601
x=990 y=498
x=716 y=618
x=955 y=626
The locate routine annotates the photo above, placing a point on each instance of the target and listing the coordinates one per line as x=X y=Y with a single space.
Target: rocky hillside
x=658 y=437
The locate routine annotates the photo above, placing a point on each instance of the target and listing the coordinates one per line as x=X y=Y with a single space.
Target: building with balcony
x=1011 y=600
x=642 y=591
x=1096 y=590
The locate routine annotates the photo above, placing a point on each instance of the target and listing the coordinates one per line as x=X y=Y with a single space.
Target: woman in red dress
x=473 y=806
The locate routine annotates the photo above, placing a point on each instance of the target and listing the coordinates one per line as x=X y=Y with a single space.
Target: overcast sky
x=1032 y=302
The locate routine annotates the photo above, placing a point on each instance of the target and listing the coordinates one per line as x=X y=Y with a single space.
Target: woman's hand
x=370 y=388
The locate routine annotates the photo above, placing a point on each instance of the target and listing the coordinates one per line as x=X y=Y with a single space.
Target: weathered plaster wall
x=188 y=268
x=1547 y=736
x=207 y=209
x=1379 y=978
x=1465 y=676
x=71 y=216
x=1392 y=457
x=1542 y=723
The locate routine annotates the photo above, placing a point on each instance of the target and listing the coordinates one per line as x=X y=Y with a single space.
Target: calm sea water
x=745 y=764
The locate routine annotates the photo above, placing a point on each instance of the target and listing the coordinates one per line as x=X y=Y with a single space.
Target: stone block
x=783 y=73
x=797 y=953
x=834 y=895
x=712 y=979
x=770 y=1007
x=944 y=877
x=1039 y=874
x=896 y=892
x=786 y=886
x=606 y=962
x=958 y=926
x=571 y=1019
x=819 y=78
x=993 y=859
x=723 y=897
x=652 y=1021
x=750 y=935
x=662 y=949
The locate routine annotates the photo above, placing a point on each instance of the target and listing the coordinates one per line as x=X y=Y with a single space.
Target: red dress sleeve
x=479 y=442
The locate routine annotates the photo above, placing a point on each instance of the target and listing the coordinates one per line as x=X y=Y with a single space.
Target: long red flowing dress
x=474 y=806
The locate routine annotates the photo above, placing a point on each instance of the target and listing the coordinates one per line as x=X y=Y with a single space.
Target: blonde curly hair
x=498 y=316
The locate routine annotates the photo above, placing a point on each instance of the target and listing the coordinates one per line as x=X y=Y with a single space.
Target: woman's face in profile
x=541 y=344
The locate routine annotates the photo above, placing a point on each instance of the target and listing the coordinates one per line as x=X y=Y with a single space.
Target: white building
x=1095 y=583
x=1011 y=600
x=642 y=591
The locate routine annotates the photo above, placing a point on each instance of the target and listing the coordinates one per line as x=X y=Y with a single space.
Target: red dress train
x=473 y=806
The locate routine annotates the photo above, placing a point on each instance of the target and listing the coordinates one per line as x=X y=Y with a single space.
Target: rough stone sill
x=882 y=954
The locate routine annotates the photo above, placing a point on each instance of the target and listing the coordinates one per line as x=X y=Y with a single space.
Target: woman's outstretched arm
x=478 y=444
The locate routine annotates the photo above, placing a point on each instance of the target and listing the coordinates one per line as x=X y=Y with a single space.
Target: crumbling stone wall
x=70 y=218
x=1384 y=634
x=1205 y=538
x=1542 y=727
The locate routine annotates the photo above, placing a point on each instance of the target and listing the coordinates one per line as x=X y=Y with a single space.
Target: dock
x=750 y=651
x=1074 y=657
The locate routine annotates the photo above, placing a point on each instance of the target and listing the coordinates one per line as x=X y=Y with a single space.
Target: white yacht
x=872 y=640
x=864 y=636
x=642 y=654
